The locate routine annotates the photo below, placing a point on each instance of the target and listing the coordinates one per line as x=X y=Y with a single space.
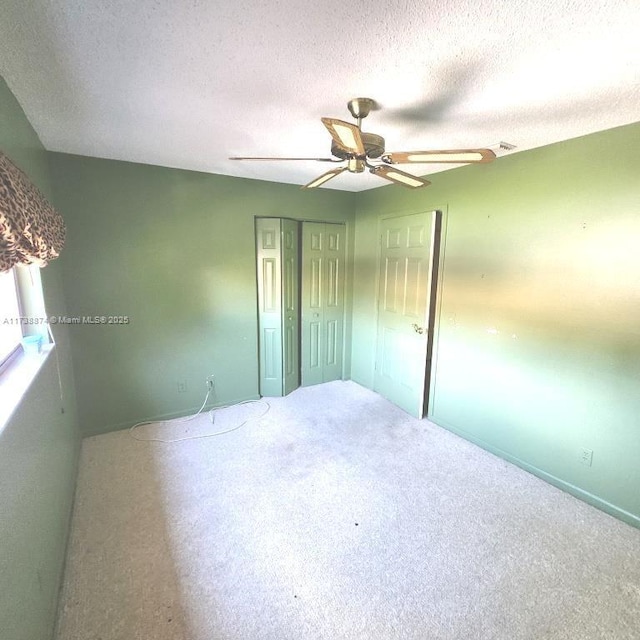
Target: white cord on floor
x=194 y=416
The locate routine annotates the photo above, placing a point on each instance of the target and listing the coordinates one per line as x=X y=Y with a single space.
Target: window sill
x=16 y=379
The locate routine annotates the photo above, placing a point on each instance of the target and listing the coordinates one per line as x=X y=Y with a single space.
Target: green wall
x=175 y=252
x=536 y=355
x=537 y=349
x=38 y=445
x=538 y=343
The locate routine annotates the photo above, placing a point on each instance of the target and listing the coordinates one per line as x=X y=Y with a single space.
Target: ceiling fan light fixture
x=400 y=177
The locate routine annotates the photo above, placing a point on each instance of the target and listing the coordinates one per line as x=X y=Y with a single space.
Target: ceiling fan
x=358 y=148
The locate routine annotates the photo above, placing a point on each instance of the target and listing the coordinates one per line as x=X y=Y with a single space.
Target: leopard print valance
x=31 y=230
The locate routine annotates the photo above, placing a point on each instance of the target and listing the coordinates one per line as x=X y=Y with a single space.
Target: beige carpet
x=335 y=516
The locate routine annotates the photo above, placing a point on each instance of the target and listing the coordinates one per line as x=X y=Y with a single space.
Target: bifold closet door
x=323 y=275
x=277 y=251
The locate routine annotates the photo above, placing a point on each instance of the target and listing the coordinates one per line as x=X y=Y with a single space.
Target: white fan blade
x=257 y=158
x=399 y=177
x=324 y=178
x=446 y=155
x=346 y=135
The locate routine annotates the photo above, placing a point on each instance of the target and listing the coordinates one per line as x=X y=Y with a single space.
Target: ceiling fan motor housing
x=373 y=146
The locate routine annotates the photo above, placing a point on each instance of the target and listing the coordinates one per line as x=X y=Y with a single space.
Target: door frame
x=435 y=295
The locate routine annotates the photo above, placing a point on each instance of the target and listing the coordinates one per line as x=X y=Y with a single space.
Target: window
x=10 y=327
x=22 y=313
x=22 y=310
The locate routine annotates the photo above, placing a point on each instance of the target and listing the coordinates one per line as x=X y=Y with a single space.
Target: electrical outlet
x=211 y=381
x=182 y=386
x=585 y=456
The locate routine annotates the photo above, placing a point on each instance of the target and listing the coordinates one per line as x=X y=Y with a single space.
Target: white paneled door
x=406 y=272
x=278 y=305
x=323 y=284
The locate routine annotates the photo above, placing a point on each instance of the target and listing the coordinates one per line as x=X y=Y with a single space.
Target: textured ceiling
x=187 y=83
